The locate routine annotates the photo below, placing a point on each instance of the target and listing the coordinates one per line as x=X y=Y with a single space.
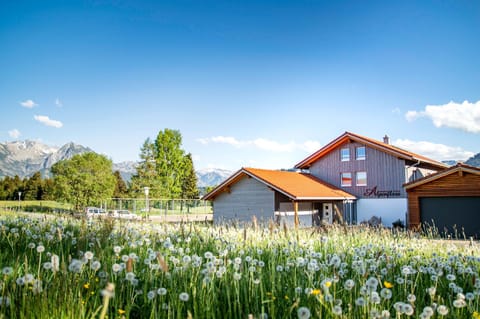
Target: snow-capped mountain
x=212 y=176
x=474 y=160
x=24 y=158
x=127 y=169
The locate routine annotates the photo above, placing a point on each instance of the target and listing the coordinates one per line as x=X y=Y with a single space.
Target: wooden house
x=371 y=170
x=448 y=200
x=277 y=195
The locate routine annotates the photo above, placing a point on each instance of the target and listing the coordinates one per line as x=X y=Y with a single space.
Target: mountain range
x=24 y=158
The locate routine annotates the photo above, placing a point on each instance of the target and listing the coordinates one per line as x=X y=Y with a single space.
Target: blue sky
x=247 y=83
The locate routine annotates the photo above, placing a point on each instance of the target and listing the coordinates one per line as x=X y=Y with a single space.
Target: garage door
x=445 y=212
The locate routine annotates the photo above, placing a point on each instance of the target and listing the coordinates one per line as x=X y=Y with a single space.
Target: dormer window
x=345 y=154
x=360 y=153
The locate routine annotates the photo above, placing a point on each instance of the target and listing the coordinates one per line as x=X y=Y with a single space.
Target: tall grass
x=66 y=268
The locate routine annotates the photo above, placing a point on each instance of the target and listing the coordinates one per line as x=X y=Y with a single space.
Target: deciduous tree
x=169 y=162
x=84 y=179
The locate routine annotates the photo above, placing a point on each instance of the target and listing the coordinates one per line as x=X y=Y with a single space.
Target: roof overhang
x=414 y=159
x=458 y=169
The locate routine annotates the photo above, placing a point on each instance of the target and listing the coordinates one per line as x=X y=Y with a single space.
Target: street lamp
x=147 y=205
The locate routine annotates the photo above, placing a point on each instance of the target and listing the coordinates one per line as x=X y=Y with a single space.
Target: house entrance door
x=327 y=213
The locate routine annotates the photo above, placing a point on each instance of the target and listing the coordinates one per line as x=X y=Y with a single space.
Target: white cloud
x=262 y=144
x=464 y=116
x=47 y=121
x=14 y=133
x=28 y=104
x=58 y=102
x=268 y=145
x=439 y=152
x=226 y=140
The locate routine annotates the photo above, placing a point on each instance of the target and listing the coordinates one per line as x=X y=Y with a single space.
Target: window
x=345 y=154
x=360 y=153
x=361 y=178
x=346 y=179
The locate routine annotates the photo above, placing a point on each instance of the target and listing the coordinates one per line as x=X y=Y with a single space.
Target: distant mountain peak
x=474 y=160
x=24 y=158
x=212 y=176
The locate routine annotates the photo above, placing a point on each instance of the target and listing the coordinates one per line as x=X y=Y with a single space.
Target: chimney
x=386 y=139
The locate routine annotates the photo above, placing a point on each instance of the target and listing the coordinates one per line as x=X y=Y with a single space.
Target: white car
x=92 y=212
x=123 y=214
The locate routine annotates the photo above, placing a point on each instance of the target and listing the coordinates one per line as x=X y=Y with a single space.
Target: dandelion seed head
x=459 y=303
x=349 y=284
x=337 y=310
x=20 y=281
x=408 y=309
x=130 y=276
x=303 y=313
x=184 y=296
x=411 y=298
x=360 y=302
x=151 y=294
x=7 y=271
x=442 y=310
x=428 y=311
x=95 y=265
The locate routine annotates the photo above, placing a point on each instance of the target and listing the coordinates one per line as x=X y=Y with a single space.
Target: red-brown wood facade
x=458 y=183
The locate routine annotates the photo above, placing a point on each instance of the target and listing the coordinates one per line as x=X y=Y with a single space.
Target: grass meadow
x=62 y=267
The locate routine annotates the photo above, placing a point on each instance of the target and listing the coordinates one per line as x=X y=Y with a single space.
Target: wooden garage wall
x=247 y=197
x=455 y=184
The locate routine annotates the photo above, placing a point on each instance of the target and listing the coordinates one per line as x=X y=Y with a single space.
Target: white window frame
x=341 y=179
x=345 y=159
x=357 y=179
x=362 y=158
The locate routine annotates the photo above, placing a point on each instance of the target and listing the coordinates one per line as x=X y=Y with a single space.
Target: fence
x=159 y=206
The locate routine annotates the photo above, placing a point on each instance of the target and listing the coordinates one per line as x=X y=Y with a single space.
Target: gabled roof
x=419 y=160
x=459 y=168
x=294 y=185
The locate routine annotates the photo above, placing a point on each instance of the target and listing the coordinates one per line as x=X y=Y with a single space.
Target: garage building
x=448 y=200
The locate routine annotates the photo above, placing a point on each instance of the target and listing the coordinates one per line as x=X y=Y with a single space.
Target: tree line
x=85 y=179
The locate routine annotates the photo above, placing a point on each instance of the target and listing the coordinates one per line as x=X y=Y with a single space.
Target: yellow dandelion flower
x=387 y=284
x=476 y=315
x=328 y=284
x=286 y=297
x=316 y=292
x=121 y=311
x=86 y=286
